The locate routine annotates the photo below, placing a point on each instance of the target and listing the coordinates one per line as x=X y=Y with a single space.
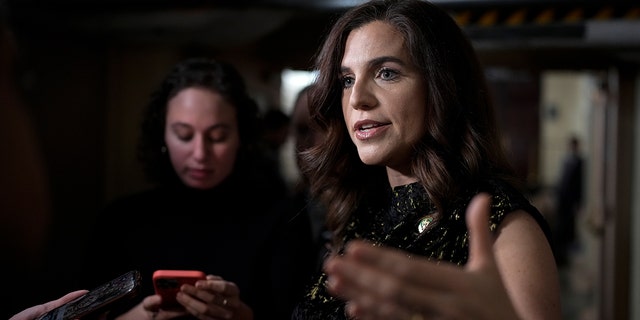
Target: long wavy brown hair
x=461 y=145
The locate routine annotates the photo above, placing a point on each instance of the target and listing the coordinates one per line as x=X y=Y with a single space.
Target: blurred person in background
x=273 y=135
x=305 y=135
x=568 y=200
x=212 y=210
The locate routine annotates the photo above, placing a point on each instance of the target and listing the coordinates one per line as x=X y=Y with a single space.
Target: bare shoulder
x=520 y=238
x=528 y=269
x=520 y=224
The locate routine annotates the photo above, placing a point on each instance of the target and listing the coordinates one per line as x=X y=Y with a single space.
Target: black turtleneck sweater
x=242 y=231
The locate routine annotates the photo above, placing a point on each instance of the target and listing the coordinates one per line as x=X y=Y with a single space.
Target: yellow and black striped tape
x=520 y=16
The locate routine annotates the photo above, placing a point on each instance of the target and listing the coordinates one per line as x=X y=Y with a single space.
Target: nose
x=361 y=95
x=200 y=151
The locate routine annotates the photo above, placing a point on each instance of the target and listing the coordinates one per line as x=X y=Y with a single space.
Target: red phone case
x=167 y=284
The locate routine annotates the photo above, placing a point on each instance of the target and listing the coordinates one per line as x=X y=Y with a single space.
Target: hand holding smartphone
x=98 y=300
x=167 y=284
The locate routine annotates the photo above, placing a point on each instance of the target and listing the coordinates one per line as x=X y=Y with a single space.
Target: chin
x=371 y=160
x=200 y=185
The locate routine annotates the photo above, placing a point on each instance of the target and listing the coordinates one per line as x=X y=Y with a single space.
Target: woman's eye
x=185 y=137
x=387 y=74
x=217 y=137
x=182 y=132
x=347 y=82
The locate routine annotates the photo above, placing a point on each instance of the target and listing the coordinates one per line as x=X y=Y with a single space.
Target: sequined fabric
x=396 y=225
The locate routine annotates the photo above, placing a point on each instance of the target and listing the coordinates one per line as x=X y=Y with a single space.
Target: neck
x=400 y=177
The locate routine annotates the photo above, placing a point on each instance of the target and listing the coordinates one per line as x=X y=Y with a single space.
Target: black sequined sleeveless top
x=400 y=224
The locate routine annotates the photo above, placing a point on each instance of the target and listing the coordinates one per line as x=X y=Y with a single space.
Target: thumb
x=477 y=218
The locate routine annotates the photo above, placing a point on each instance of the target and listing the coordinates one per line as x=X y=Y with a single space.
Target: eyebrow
x=377 y=61
x=213 y=127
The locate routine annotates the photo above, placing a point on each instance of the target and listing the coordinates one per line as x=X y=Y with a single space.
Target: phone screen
x=98 y=299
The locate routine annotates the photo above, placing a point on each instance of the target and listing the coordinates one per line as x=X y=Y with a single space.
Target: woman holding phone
x=211 y=210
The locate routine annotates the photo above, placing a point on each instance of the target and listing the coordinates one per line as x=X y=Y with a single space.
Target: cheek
x=178 y=153
x=415 y=128
x=346 y=114
x=345 y=105
x=414 y=118
x=226 y=153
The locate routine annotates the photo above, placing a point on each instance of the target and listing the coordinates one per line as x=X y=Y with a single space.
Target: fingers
x=394 y=262
x=64 y=299
x=213 y=297
x=481 y=240
x=398 y=302
x=38 y=310
x=218 y=285
x=204 y=309
x=67 y=297
x=152 y=303
x=374 y=292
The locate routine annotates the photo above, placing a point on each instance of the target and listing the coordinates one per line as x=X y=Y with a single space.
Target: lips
x=199 y=173
x=367 y=129
x=366 y=124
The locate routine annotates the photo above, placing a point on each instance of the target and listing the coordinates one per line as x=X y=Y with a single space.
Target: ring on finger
x=224 y=302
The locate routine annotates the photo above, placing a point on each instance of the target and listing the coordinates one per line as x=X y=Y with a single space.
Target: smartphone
x=167 y=284
x=98 y=300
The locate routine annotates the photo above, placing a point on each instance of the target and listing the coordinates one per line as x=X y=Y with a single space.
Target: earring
x=163 y=149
